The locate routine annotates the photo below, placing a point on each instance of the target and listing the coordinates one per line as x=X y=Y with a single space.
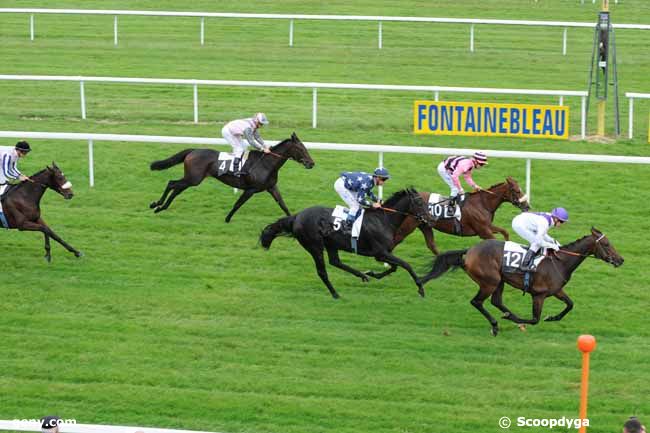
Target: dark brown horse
x=21 y=205
x=263 y=172
x=476 y=217
x=314 y=230
x=482 y=263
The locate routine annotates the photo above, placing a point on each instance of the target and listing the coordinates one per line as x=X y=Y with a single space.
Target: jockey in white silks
x=534 y=227
x=9 y=157
x=237 y=130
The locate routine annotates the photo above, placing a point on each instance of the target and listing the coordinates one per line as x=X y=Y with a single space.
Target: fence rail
x=380 y=149
x=436 y=90
x=632 y=96
x=86 y=428
x=292 y=17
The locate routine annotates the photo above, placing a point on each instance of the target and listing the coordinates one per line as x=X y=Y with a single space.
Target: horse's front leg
x=391 y=259
x=248 y=193
x=562 y=296
x=335 y=261
x=40 y=226
x=504 y=232
x=538 y=302
x=48 y=255
x=381 y=275
x=275 y=193
x=427 y=232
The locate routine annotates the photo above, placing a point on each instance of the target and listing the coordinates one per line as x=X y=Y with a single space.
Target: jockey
x=235 y=131
x=8 y=160
x=533 y=226
x=355 y=187
x=452 y=167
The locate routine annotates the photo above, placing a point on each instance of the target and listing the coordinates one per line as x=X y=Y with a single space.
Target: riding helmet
x=23 y=146
x=381 y=173
x=560 y=213
x=261 y=117
x=481 y=158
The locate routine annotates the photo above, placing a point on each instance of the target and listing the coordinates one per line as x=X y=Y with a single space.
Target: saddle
x=439 y=207
x=340 y=222
x=513 y=256
x=226 y=162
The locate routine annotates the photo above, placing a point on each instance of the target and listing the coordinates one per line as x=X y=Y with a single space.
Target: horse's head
x=515 y=195
x=604 y=250
x=56 y=180
x=297 y=150
x=418 y=208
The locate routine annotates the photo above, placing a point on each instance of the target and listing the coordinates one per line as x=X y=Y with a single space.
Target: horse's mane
x=576 y=241
x=398 y=196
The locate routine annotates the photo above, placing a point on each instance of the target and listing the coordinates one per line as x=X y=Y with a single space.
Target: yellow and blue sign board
x=491 y=119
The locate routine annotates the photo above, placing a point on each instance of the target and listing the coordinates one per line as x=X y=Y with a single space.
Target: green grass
x=180 y=320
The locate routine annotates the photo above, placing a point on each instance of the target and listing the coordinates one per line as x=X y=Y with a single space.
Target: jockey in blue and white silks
x=355 y=188
x=8 y=163
x=534 y=227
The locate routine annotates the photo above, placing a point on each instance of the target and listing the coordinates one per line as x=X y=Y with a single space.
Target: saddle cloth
x=225 y=162
x=339 y=216
x=439 y=209
x=513 y=255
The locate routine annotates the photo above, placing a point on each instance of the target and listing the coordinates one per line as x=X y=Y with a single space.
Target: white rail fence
x=379 y=149
x=435 y=90
x=293 y=17
x=86 y=428
x=632 y=96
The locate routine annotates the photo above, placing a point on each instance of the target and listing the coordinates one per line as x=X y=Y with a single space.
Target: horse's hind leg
x=497 y=301
x=429 y=239
x=392 y=260
x=335 y=261
x=317 y=254
x=381 y=275
x=177 y=187
x=168 y=188
x=562 y=296
x=477 y=302
x=248 y=193
x=504 y=232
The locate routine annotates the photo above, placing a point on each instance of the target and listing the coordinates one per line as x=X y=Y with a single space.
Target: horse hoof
x=495 y=331
x=158 y=209
x=365 y=279
x=227 y=219
x=335 y=295
x=550 y=319
x=421 y=292
x=48 y=259
x=153 y=205
x=79 y=254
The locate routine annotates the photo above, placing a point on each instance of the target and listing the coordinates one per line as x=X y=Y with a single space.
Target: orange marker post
x=586 y=343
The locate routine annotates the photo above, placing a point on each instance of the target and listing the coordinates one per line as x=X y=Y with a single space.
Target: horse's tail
x=283 y=226
x=444 y=262
x=171 y=161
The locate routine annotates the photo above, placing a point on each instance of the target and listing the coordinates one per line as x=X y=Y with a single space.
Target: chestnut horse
x=482 y=263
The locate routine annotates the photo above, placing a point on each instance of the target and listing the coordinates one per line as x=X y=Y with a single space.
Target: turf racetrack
x=180 y=320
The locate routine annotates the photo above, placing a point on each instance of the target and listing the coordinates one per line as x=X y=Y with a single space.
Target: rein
x=571 y=253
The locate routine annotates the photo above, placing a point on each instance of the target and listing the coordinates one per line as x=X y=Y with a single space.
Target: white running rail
x=632 y=96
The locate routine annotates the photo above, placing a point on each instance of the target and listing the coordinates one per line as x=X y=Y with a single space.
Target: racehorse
x=476 y=217
x=263 y=176
x=314 y=230
x=21 y=205
x=482 y=263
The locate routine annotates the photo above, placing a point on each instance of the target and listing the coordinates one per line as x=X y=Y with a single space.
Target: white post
x=561 y=100
x=564 y=42
x=471 y=38
x=630 y=119
x=314 y=107
x=291 y=33
x=381 y=165
x=202 y=30
x=436 y=96
x=583 y=117
x=528 y=179
x=196 y=103
x=31 y=27
x=380 y=36
x=83 y=100
x=91 y=170
x=115 y=30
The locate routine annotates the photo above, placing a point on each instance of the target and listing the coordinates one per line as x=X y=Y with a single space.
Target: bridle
x=420 y=218
x=607 y=258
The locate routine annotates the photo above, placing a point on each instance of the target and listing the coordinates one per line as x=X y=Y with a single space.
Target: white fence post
x=561 y=100
x=314 y=107
x=630 y=119
x=196 y=103
x=381 y=165
x=436 y=96
x=202 y=30
x=91 y=170
x=471 y=38
x=291 y=33
x=583 y=117
x=564 y=42
x=528 y=179
x=115 y=30
x=83 y=99
x=31 y=27
x=380 y=36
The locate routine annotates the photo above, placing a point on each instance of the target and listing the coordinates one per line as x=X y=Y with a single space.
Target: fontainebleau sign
x=491 y=119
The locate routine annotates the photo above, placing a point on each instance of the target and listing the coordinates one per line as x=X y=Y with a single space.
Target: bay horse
x=21 y=205
x=477 y=217
x=314 y=230
x=263 y=176
x=482 y=263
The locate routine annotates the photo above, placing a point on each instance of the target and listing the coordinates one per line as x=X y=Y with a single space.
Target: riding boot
x=527 y=262
x=237 y=168
x=451 y=206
